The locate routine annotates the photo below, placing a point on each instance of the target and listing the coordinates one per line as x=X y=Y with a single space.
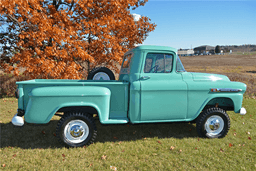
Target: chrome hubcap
x=101 y=76
x=214 y=125
x=76 y=131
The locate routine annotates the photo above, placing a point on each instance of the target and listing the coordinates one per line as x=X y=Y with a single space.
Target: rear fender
x=76 y=107
x=44 y=102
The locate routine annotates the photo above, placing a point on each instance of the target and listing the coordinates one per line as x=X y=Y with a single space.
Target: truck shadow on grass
x=32 y=136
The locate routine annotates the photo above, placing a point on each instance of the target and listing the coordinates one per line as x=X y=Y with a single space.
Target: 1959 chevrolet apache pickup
x=153 y=87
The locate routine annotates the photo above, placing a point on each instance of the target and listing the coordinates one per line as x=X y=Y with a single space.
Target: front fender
x=199 y=94
x=44 y=102
x=236 y=98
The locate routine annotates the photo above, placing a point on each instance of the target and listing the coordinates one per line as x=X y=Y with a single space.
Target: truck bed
x=118 y=98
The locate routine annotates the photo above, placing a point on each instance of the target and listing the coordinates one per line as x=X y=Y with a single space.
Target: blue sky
x=182 y=24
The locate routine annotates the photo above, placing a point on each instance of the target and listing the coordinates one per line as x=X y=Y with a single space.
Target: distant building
x=185 y=52
x=204 y=50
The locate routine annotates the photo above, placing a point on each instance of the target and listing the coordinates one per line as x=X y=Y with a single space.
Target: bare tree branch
x=72 y=4
x=14 y=19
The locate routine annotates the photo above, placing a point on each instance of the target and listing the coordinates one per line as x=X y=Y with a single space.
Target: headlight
x=17 y=93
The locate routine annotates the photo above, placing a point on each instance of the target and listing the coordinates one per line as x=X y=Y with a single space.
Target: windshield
x=179 y=66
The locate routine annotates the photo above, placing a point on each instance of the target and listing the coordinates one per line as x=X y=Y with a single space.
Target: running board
x=115 y=121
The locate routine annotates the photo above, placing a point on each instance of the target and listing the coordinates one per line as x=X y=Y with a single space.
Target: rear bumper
x=20 y=112
x=17 y=120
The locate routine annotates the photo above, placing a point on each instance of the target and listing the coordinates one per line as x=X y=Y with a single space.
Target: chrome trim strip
x=216 y=90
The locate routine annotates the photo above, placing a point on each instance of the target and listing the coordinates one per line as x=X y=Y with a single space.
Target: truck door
x=163 y=91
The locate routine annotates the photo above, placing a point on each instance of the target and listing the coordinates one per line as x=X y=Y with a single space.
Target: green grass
x=129 y=147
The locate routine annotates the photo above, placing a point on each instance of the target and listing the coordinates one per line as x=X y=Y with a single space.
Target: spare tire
x=101 y=73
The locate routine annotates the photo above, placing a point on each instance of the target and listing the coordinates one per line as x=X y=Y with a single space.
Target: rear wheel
x=76 y=130
x=101 y=73
x=213 y=123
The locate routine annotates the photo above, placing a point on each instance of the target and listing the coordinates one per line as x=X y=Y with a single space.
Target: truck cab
x=154 y=78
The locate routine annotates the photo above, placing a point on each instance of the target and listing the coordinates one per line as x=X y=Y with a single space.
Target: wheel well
x=87 y=109
x=221 y=102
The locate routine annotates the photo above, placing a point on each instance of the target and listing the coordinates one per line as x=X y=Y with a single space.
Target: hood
x=209 y=77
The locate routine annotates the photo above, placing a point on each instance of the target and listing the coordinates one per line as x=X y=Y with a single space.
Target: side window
x=168 y=63
x=158 y=63
x=127 y=60
x=148 y=65
x=125 y=69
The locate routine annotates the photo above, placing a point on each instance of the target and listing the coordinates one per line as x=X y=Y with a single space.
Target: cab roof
x=154 y=47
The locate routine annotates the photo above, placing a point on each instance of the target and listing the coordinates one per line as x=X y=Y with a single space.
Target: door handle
x=145 y=77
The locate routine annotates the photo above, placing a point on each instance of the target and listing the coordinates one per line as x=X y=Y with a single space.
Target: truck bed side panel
x=118 y=99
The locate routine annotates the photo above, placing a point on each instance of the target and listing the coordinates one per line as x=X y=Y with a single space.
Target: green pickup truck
x=153 y=87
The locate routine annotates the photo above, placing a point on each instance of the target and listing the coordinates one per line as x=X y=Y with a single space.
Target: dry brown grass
x=220 y=60
x=240 y=68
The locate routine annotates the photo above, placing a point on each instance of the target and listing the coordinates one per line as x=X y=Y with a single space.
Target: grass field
x=165 y=146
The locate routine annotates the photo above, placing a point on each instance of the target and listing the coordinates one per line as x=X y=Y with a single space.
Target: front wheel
x=213 y=123
x=76 y=130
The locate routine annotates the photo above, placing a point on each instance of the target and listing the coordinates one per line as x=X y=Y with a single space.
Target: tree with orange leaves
x=52 y=38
